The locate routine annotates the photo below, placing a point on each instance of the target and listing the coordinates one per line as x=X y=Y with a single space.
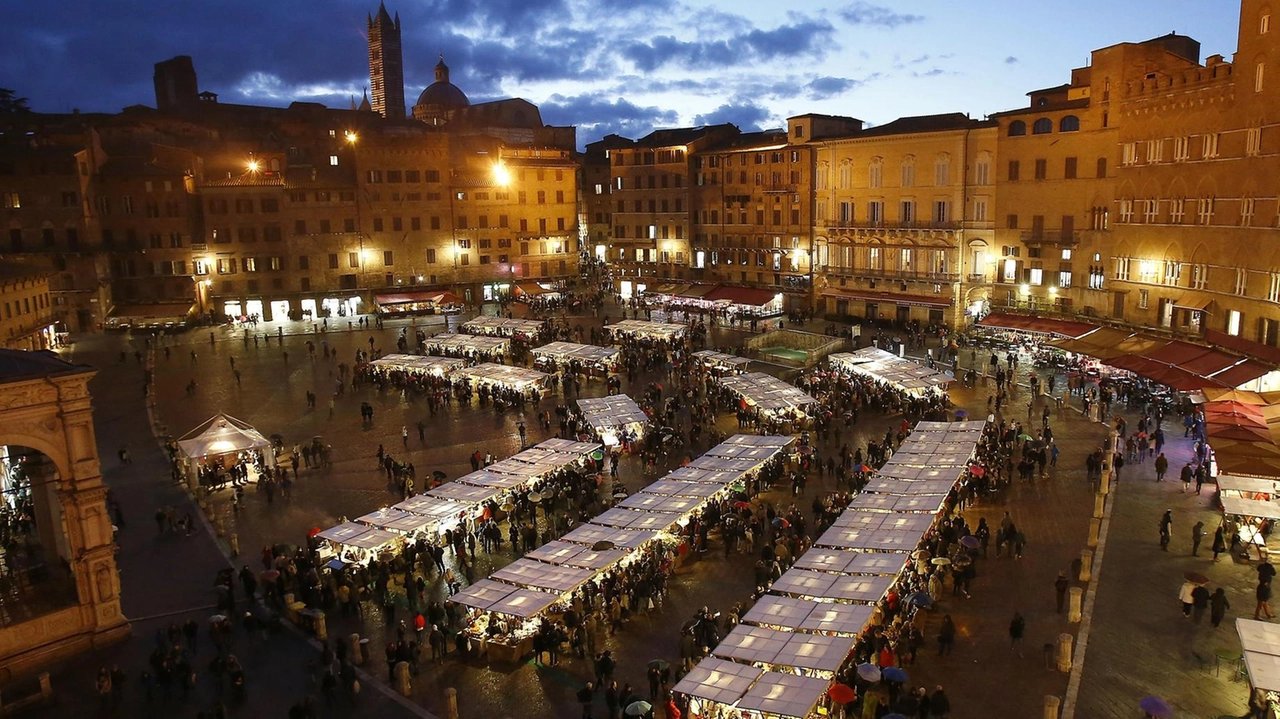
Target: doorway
x=308 y=309
x=232 y=309
x=280 y=310
x=253 y=307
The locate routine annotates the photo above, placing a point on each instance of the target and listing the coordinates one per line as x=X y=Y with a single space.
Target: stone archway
x=45 y=406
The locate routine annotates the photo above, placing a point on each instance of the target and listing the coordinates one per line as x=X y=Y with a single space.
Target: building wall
x=904 y=214
x=752 y=217
x=651 y=214
x=26 y=310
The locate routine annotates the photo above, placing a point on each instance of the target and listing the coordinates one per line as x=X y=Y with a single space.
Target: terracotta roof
x=924 y=123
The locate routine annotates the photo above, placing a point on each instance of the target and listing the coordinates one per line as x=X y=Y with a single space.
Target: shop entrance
x=233 y=309
x=308 y=309
x=280 y=310
x=253 y=307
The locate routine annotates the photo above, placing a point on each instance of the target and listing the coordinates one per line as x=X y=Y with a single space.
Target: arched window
x=1043 y=126
x=1264 y=22
x=1017 y=128
x=1070 y=123
x=909 y=171
x=942 y=170
x=875 y=173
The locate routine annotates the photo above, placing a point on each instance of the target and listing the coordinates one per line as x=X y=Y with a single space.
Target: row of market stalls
x=902 y=374
x=502 y=327
x=504 y=609
x=640 y=329
x=596 y=360
x=733 y=301
x=1180 y=365
x=461 y=501
x=782 y=659
x=770 y=396
x=614 y=417
x=721 y=364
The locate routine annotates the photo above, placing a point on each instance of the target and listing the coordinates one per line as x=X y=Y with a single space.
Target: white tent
x=784 y=695
x=501 y=374
x=640 y=328
x=718 y=680
x=220 y=435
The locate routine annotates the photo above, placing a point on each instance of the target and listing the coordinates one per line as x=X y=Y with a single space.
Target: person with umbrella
x=946 y=636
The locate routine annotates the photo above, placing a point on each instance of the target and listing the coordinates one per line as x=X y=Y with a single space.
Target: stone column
x=1051 y=705
x=1064 y=652
x=1076 y=595
x=1086 y=565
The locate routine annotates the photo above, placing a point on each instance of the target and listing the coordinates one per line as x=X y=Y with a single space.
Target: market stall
x=1252 y=520
x=818 y=655
x=353 y=543
x=646 y=330
x=410 y=302
x=223 y=448
x=502 y=327
x=1260 y=650
x=902 y=374
x=471 y=347
x=614 y=418
x=417 y=364
x=503 y=376
x=1255 y=488
x=721 y=364
x=770 y=396
x=594 y=360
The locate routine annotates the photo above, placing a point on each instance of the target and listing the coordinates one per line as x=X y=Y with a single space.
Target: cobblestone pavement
x=1138 y=645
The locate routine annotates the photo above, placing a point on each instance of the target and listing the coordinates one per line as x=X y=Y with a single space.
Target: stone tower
x=386 y=64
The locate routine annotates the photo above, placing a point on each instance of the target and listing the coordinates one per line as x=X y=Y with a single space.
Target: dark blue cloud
x=821 y=88
x=745 y=114
x=865 y=13
x=596 y=115
x=1011 y=60
x=804 y=37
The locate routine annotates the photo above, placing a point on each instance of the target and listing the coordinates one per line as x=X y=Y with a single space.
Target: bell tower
x=386 y=64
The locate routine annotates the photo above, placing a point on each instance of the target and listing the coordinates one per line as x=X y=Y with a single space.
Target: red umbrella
x=741 y=505
x=842 y=693
x=313 y=532
x=977 y=470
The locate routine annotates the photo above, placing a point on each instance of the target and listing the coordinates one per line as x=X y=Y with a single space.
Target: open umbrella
x=660 y=664
x=1196 y=578
x=440 y=476
x=270 y=575
x=1156 y=707
x=620 y=494
x=970 y=541
x=940 y=561
x=507 y=506
x=535 y=497
x=842 y=693
x=961 y=414
x=894 y=674
x=869 y=672
x=1026 y=437
x=312 y=532
x=741 y=505
x=920 y=599
x=638 y=709
x=977 y=470
x=603 y=545
x=781 y=523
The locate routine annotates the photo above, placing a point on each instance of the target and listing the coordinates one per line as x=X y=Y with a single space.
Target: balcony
x=893 y=224
x=770 y=188
x=908 y=276
x=1050 y=237
x=976 y=278
x=199 y=246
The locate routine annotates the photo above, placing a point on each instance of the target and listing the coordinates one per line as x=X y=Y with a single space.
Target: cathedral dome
x=442 y=94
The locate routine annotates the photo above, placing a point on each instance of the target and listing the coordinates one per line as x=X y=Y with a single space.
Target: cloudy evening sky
x=621 y=66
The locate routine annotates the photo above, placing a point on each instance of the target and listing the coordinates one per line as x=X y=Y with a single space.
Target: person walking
x=1218 y=606
x=1219 y=543
x=1166 y=526
x=404 y=435
x=946 y=636
x=1060 y=586
x=586 y=696
x=1197 y=534
x=1263 y=594
x=1162 y=466
x=1199 y=602
x=1017 y=627
x=1185 y=596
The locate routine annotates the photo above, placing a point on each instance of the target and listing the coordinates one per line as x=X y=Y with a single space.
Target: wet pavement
x=1136 y=610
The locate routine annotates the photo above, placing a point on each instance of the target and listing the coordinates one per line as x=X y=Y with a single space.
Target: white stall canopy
x=221 y=434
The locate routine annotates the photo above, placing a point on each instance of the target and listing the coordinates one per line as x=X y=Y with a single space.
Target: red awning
x=1266 y=353
x=741 y=295
x=1176 y=352
x=1243 y=373
x=1041 y=325
x=891 y=298
x=399 y=298
x=1210 y=362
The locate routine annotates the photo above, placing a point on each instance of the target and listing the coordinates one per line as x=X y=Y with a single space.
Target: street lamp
x=501 y=175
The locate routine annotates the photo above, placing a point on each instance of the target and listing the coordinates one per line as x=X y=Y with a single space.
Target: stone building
x=28 y=318
x=386 y=64
x=61 y=588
